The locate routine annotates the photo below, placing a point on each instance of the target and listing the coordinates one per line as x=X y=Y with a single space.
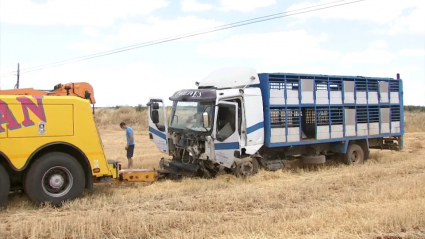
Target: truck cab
x=212 y=128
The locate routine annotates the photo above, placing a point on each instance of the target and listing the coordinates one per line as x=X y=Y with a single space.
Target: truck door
x=157 y=124
x=226 y=135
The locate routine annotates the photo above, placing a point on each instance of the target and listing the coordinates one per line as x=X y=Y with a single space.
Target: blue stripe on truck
x=157 y=133
x=255 y=127
x=226 y=146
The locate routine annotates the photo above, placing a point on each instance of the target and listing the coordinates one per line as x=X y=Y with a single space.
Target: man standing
x=130 y=143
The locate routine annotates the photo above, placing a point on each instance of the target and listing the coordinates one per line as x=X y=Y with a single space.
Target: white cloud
x=369 y=56
x=379 y=44
x=283 y=48
x=8 y=77
x=76 y=12
x=295 y=69
x=226 y=5
x=296 y=22
x=392 y=71
x=412 y=52
x=380 y=11
x=131 y=79
x=90 y=32
x=384 y=12
x=414 y=22
x=158 y=29
x=91 y=45
x=413 y=81
x=245 y=6
x=194 y=6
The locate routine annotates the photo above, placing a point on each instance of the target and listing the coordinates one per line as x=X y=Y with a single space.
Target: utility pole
x=17 y=81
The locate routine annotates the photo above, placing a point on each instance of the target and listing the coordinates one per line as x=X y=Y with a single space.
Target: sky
x=375 y=38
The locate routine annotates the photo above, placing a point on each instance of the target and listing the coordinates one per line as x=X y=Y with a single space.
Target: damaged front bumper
x=177 y=167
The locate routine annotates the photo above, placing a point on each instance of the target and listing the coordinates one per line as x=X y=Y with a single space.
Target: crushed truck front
x=213 y=128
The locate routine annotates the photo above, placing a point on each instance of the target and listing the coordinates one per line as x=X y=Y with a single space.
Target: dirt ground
x=384 y=198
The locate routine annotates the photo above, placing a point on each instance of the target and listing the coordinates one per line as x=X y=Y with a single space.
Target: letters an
x=6 y=116
x=38 y=109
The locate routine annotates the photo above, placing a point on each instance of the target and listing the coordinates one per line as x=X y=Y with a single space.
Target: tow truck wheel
x=4 y=186
x=354 y=155
x=247 y=168
x=55 y=178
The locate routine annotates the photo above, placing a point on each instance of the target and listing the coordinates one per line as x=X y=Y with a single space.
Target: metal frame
x=365 y=112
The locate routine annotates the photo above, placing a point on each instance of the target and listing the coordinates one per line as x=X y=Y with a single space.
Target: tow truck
x=50 y=146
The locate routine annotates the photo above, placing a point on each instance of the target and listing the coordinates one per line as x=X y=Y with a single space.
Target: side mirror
x=155 y=106
x=155 y=116
x=206 y=119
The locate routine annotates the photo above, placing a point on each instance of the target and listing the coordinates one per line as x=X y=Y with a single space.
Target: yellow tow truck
x=50 y=147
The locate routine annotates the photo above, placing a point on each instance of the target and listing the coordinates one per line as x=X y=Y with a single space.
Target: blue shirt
x=129 y=131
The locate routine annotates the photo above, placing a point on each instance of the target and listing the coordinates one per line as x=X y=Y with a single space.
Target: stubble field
x=384 y=198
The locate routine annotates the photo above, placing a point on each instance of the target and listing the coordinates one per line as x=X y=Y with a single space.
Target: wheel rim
x=246 y=168
x=356 y=157
x=57 y=181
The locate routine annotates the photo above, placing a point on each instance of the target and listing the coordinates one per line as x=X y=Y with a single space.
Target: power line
x=200 y=32
x=223 y=27
x=179 y=35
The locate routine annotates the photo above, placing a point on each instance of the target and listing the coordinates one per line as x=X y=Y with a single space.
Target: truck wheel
x=354 y=155
x=4 y=186
x=246 y=169
x=313 y=159
x=55 y=178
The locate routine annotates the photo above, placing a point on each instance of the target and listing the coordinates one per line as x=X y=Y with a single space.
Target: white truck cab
x=216 y=124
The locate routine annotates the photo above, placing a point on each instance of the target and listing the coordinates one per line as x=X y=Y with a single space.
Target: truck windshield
x=189 y=115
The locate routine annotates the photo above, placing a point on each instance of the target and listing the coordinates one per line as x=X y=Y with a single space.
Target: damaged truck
x=238 y=121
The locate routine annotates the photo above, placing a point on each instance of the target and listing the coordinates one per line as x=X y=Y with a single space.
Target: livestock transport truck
x=238 y=121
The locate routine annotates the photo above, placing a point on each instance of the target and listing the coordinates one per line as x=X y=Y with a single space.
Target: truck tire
x=246 y=169
x=354 y=155
x=4 y=186
x=313 y=159
x=55 y=177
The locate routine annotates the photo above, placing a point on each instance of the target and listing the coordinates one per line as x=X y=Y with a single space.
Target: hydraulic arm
x=80 y=89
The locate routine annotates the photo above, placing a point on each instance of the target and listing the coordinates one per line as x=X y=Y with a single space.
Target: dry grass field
x=384 y=198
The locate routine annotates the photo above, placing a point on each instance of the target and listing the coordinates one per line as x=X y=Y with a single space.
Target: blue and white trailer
x=239 y=121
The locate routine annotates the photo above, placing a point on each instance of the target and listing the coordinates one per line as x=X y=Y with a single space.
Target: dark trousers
x=130 y=151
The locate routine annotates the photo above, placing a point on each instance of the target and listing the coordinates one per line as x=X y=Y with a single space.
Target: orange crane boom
x=80 y=89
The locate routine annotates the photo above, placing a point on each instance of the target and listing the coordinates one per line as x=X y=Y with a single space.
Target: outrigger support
x=138 y=175
x=147 y=175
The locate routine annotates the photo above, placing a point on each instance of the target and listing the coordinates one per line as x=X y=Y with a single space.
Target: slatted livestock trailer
x=334 y=114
